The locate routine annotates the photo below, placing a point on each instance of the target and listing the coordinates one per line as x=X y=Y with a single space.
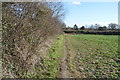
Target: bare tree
x=96 y=26
x=112 y=26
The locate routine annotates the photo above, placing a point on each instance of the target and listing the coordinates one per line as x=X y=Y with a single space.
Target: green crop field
x=93 y=56
x=87 y=56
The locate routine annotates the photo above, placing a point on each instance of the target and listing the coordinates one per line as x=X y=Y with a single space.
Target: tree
x=112 y=26
x=102 y=28
x=118 y=26
x=96 y=26
x=64 y=25
x=91 y=26
x=82 y=27
x=75 y=27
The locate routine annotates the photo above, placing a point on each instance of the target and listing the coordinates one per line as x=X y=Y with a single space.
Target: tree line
x=111 y=26
x=111 y=29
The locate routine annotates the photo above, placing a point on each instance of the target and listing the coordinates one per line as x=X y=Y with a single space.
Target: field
x=80 y=56
x=92 y=56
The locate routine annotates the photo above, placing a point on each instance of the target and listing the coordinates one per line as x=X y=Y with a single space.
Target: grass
x=89 y=56
x=51 y=61
x=93 y=56
x=54 y=54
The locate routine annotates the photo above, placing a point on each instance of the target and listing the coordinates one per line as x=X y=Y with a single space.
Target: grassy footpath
x=93 y=56
x=48 y=66
x=55 y=53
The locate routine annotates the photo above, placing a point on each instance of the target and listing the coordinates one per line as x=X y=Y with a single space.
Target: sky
x=87 y=13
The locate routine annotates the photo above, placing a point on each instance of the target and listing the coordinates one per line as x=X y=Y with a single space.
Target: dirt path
x=64 y=71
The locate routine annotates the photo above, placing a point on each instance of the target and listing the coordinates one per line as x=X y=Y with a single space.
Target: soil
x=64 y=68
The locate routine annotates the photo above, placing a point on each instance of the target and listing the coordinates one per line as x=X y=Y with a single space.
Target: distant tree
x=102 y=28
x=96 y=26
x=82 y=27
x=75 y=27
x=86 y=26
x=91 y=26
x=68 y=27
x=118 y=26
x=112 y=26
x=63 y=25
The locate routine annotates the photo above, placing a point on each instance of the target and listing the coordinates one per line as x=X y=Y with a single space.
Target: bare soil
x=64 y=73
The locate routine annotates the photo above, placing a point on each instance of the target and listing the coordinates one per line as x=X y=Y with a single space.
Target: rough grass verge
x=48 y=66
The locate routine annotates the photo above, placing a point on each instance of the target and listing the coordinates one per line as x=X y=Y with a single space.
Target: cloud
x=76 y=2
